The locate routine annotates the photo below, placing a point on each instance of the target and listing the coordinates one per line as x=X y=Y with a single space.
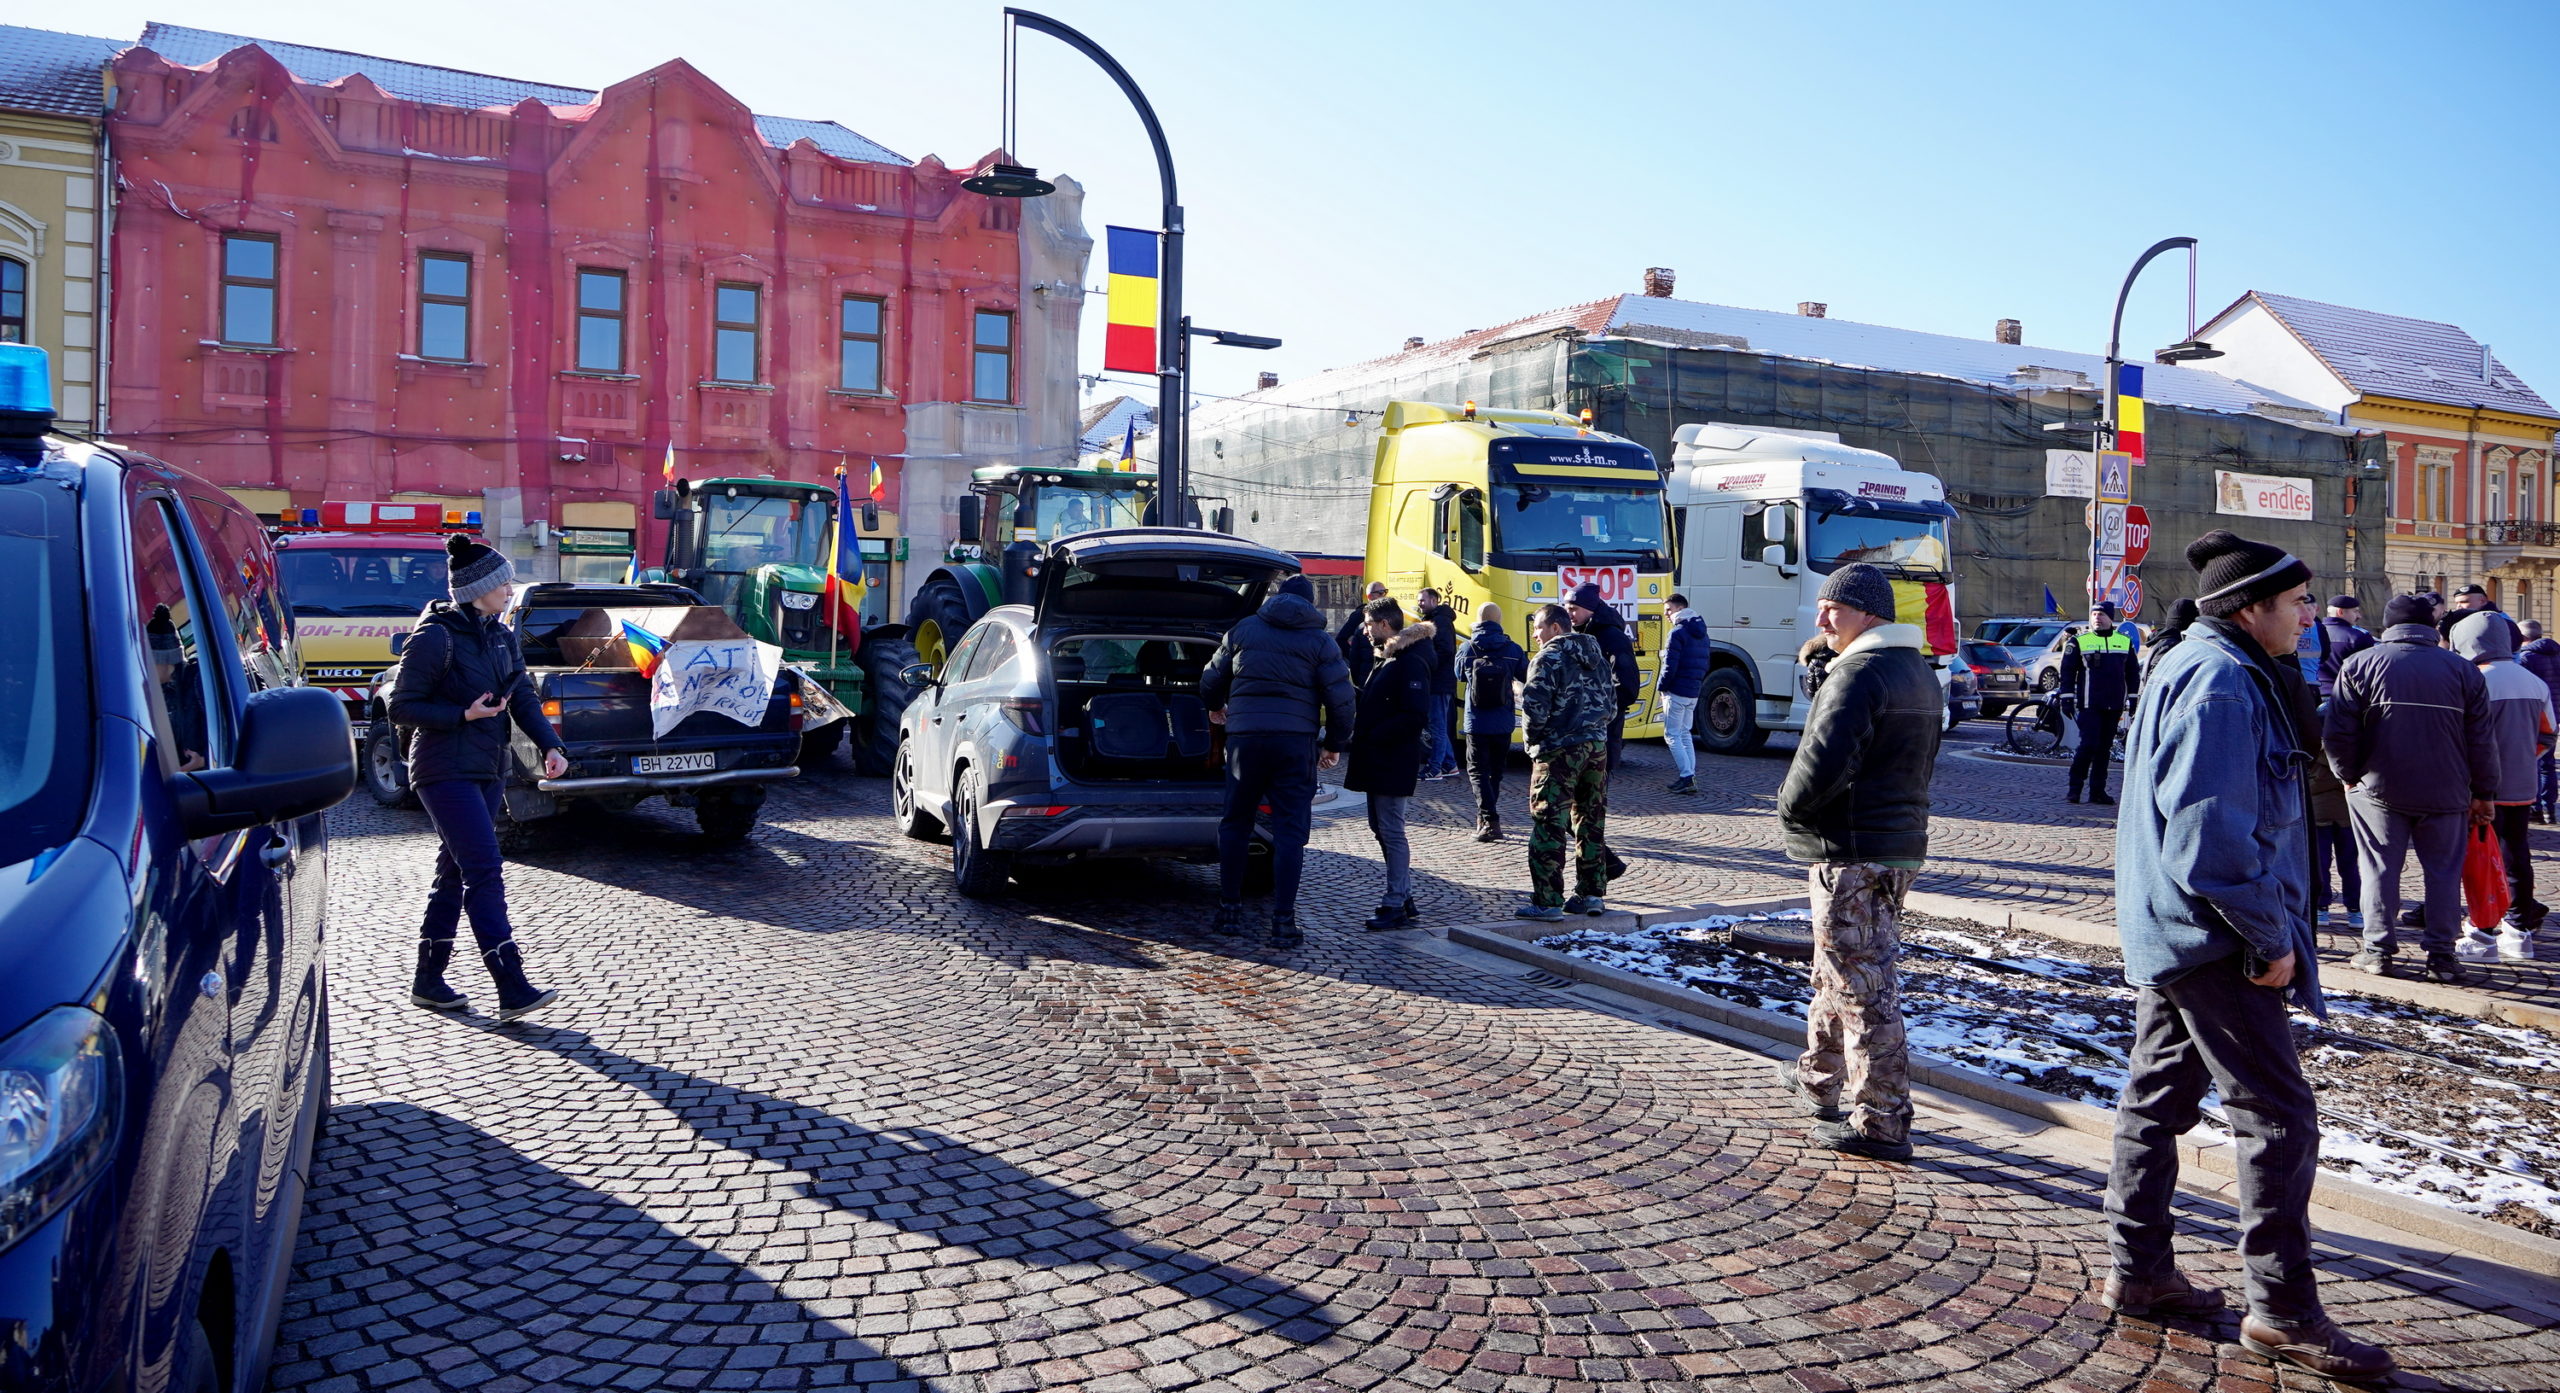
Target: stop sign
x=2137 y=534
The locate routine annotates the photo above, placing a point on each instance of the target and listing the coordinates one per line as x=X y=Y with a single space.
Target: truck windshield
x=1568 y=519
x=341 y=582
x=1064 y=511
x=1909 y=547
x=44 y=695
x=739 y=534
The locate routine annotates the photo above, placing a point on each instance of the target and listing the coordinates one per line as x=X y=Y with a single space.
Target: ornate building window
x=13 y=300
x=601 y=296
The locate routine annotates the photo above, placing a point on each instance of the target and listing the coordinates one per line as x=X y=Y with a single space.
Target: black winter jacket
x=2541 y=657
x=1859 y=788
x=1353 y=642
x=453 y=657
x=1444 y=649
x=1492 y=706
x=1388 y=740
x=1277 y=672
x=1619 y=647
x=2409 y=725
x=2452 y=616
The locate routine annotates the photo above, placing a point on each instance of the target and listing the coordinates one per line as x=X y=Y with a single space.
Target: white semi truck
x=1764 y=516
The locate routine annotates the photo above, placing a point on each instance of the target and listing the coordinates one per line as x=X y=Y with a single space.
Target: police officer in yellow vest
x=2097 y=673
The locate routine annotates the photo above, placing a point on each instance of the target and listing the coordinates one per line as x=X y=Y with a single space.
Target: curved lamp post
x=2191 y=349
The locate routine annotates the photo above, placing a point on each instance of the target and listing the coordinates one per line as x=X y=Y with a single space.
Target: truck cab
x=1519 y=508
x=356 y=574
x=1765 y=516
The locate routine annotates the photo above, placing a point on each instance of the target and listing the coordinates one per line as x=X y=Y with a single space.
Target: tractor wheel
x=936 y=619
x=884 y=700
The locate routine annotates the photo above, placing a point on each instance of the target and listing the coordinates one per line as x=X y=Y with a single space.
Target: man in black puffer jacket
x=1597 y=617
x=1279 y=685
x=461 y=681
x=1856 y=804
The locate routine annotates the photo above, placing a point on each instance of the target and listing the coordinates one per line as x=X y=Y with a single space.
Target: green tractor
x=758 y=549
x=1011 y=515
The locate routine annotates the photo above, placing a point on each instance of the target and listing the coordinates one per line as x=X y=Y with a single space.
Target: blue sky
x=1355 y=173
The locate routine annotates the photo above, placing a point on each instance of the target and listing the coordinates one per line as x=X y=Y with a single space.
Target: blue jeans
x=1444 y=756
x=2547 y=796
x=1279 y=770
x=470 y=877
x=1679 y=727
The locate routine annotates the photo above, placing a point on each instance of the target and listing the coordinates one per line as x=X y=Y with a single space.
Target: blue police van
x=164 y=1036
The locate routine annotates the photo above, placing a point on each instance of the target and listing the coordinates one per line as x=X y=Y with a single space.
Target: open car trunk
x=1129 y=708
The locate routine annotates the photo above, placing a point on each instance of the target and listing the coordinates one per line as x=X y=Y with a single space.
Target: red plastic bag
x=2484 y=878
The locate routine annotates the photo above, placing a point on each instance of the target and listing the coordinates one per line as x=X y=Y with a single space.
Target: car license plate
x=361 y=729
x=670 y=764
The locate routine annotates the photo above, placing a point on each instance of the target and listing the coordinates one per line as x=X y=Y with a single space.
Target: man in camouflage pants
x=1856 y=805
x=1568 y=702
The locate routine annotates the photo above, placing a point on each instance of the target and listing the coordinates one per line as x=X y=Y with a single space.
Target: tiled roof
x=1105 y=424
x=2387 y=355
x=58 y=74
x=419 y=82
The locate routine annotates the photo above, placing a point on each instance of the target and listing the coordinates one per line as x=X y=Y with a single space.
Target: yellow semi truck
x=1513 y=507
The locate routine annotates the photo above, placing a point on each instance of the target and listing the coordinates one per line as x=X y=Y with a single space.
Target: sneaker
x=2319 y=1346
x=1684 y=784
x=2371 y=961
x=1284 y=931
x=2173 y=1295
x=2355 y=921
x=2515 y=945
x=1586 y=904
x=2448 y=969
x=1230 y=920
x=1543 y=913
x=1842 y=1137
x=2476 y=947
x=1821 y=1112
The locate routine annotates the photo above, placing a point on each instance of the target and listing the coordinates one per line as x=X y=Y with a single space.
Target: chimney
x=2486 y=375
x=2008 y=331
x=1657 y=282
x=1812 y=309
x=1413 y=343
x=1266 y=382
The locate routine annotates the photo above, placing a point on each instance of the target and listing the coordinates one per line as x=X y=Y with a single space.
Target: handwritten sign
x=731 y=677
x=1617 y=585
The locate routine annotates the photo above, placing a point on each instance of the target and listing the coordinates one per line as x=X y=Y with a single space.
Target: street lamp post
x=2191 y=349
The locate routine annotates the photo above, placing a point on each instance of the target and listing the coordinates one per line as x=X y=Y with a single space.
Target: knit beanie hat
x=1299 y=586
x=2237 y=573
x=2483 y=636
x=1861 y=587
x=2408 y=609
x=163 y=637
x=472 y=570
x=1587 y=596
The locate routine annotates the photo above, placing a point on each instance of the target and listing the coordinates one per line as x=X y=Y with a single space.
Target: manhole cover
x=1782 y=938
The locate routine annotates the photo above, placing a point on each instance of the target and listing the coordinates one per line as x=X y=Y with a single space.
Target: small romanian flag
x=647 y=649
x=1129 y=341
x=669 y=473
x=1930 y=605
x=1128 y=461
x=879 y=484
x=2129 y=409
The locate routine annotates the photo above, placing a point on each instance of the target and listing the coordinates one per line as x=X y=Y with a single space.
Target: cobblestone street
x=807 y=1120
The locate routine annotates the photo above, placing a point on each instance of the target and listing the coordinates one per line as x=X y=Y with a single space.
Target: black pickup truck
x=599 y=704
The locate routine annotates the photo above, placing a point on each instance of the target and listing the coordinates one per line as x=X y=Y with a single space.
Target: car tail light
x=1026 y=715
x=1035 y=810
x=798 y=715
x=551 y=707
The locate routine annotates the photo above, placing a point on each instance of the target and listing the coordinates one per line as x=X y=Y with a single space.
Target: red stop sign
x=2137 y=534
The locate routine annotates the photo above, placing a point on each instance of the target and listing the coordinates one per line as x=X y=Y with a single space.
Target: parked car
x=710 y=763
x=164 y=1007
x=2025 y=638
x=1072 y=729
x=2044 y=670
x=1963 y=695
x=1998 y=679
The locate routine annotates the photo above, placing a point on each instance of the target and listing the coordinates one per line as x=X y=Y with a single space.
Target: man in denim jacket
x=2213 y=906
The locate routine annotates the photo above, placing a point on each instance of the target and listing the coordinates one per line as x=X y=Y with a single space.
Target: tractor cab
x=728 y=532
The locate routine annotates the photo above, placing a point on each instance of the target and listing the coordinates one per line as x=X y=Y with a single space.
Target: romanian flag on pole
x=668 y=475
x=1129 y=342
x=2129 y=409
x=1930 y=605
x=647 y=649
x=845 y=585
x=1128 y=461
x=879 y=483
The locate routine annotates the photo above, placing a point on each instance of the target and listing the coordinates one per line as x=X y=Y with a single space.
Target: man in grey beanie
x=1856 y=805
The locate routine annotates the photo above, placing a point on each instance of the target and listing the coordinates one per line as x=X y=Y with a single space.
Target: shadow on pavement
x=441 y=1214
x=939 y=1188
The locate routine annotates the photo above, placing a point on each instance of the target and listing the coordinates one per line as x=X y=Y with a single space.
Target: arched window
x=13 y=300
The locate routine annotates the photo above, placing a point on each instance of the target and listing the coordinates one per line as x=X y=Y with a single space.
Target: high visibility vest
x=2117 y=641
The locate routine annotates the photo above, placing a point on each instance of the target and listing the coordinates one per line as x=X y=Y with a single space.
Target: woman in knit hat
x=461 y=680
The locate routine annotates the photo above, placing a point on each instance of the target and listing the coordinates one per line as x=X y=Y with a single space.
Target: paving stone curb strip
x=1516 y=939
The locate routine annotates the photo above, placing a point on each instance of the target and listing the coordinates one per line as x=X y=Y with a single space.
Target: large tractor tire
x=949 y=601
x=884 y=655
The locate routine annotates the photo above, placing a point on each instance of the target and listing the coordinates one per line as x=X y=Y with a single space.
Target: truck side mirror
x=1224 y=519
x=870 y=516
x=969 y=519
x=1774 y=554
x=662 y=505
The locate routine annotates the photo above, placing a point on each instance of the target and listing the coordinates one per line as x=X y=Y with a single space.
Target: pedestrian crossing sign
x=2115 y=477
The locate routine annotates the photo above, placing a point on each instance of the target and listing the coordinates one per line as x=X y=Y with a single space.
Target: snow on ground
x=2449 y=1109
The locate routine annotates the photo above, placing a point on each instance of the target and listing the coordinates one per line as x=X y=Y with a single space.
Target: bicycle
x=2034 y=726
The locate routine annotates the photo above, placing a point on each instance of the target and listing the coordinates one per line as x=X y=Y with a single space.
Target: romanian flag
x=879 y=484
x=669 y=473
x=1930 y=605
x=1128 y=461
x=845 y=587
x=1129 y=342
x=647 y=649
x=2129 y=409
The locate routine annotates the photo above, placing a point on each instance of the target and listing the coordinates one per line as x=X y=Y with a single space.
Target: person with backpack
x=1490 y=667
x=461 y=681
x=1684 y=676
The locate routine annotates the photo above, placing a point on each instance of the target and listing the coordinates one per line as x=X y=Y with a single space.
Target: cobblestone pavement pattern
x=808 y=1121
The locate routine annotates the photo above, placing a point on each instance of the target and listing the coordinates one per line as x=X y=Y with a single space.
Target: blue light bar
x=26 y=379
x=471 y=519
x=311 y=517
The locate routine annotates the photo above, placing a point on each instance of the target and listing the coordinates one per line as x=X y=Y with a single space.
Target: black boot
x=427 y=988
x=517 y=998
x=1489 y=828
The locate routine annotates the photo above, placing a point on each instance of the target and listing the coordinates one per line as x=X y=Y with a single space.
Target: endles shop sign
x=2261 y=496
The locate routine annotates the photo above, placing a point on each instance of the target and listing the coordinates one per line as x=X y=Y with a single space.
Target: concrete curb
x=1515 y=939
